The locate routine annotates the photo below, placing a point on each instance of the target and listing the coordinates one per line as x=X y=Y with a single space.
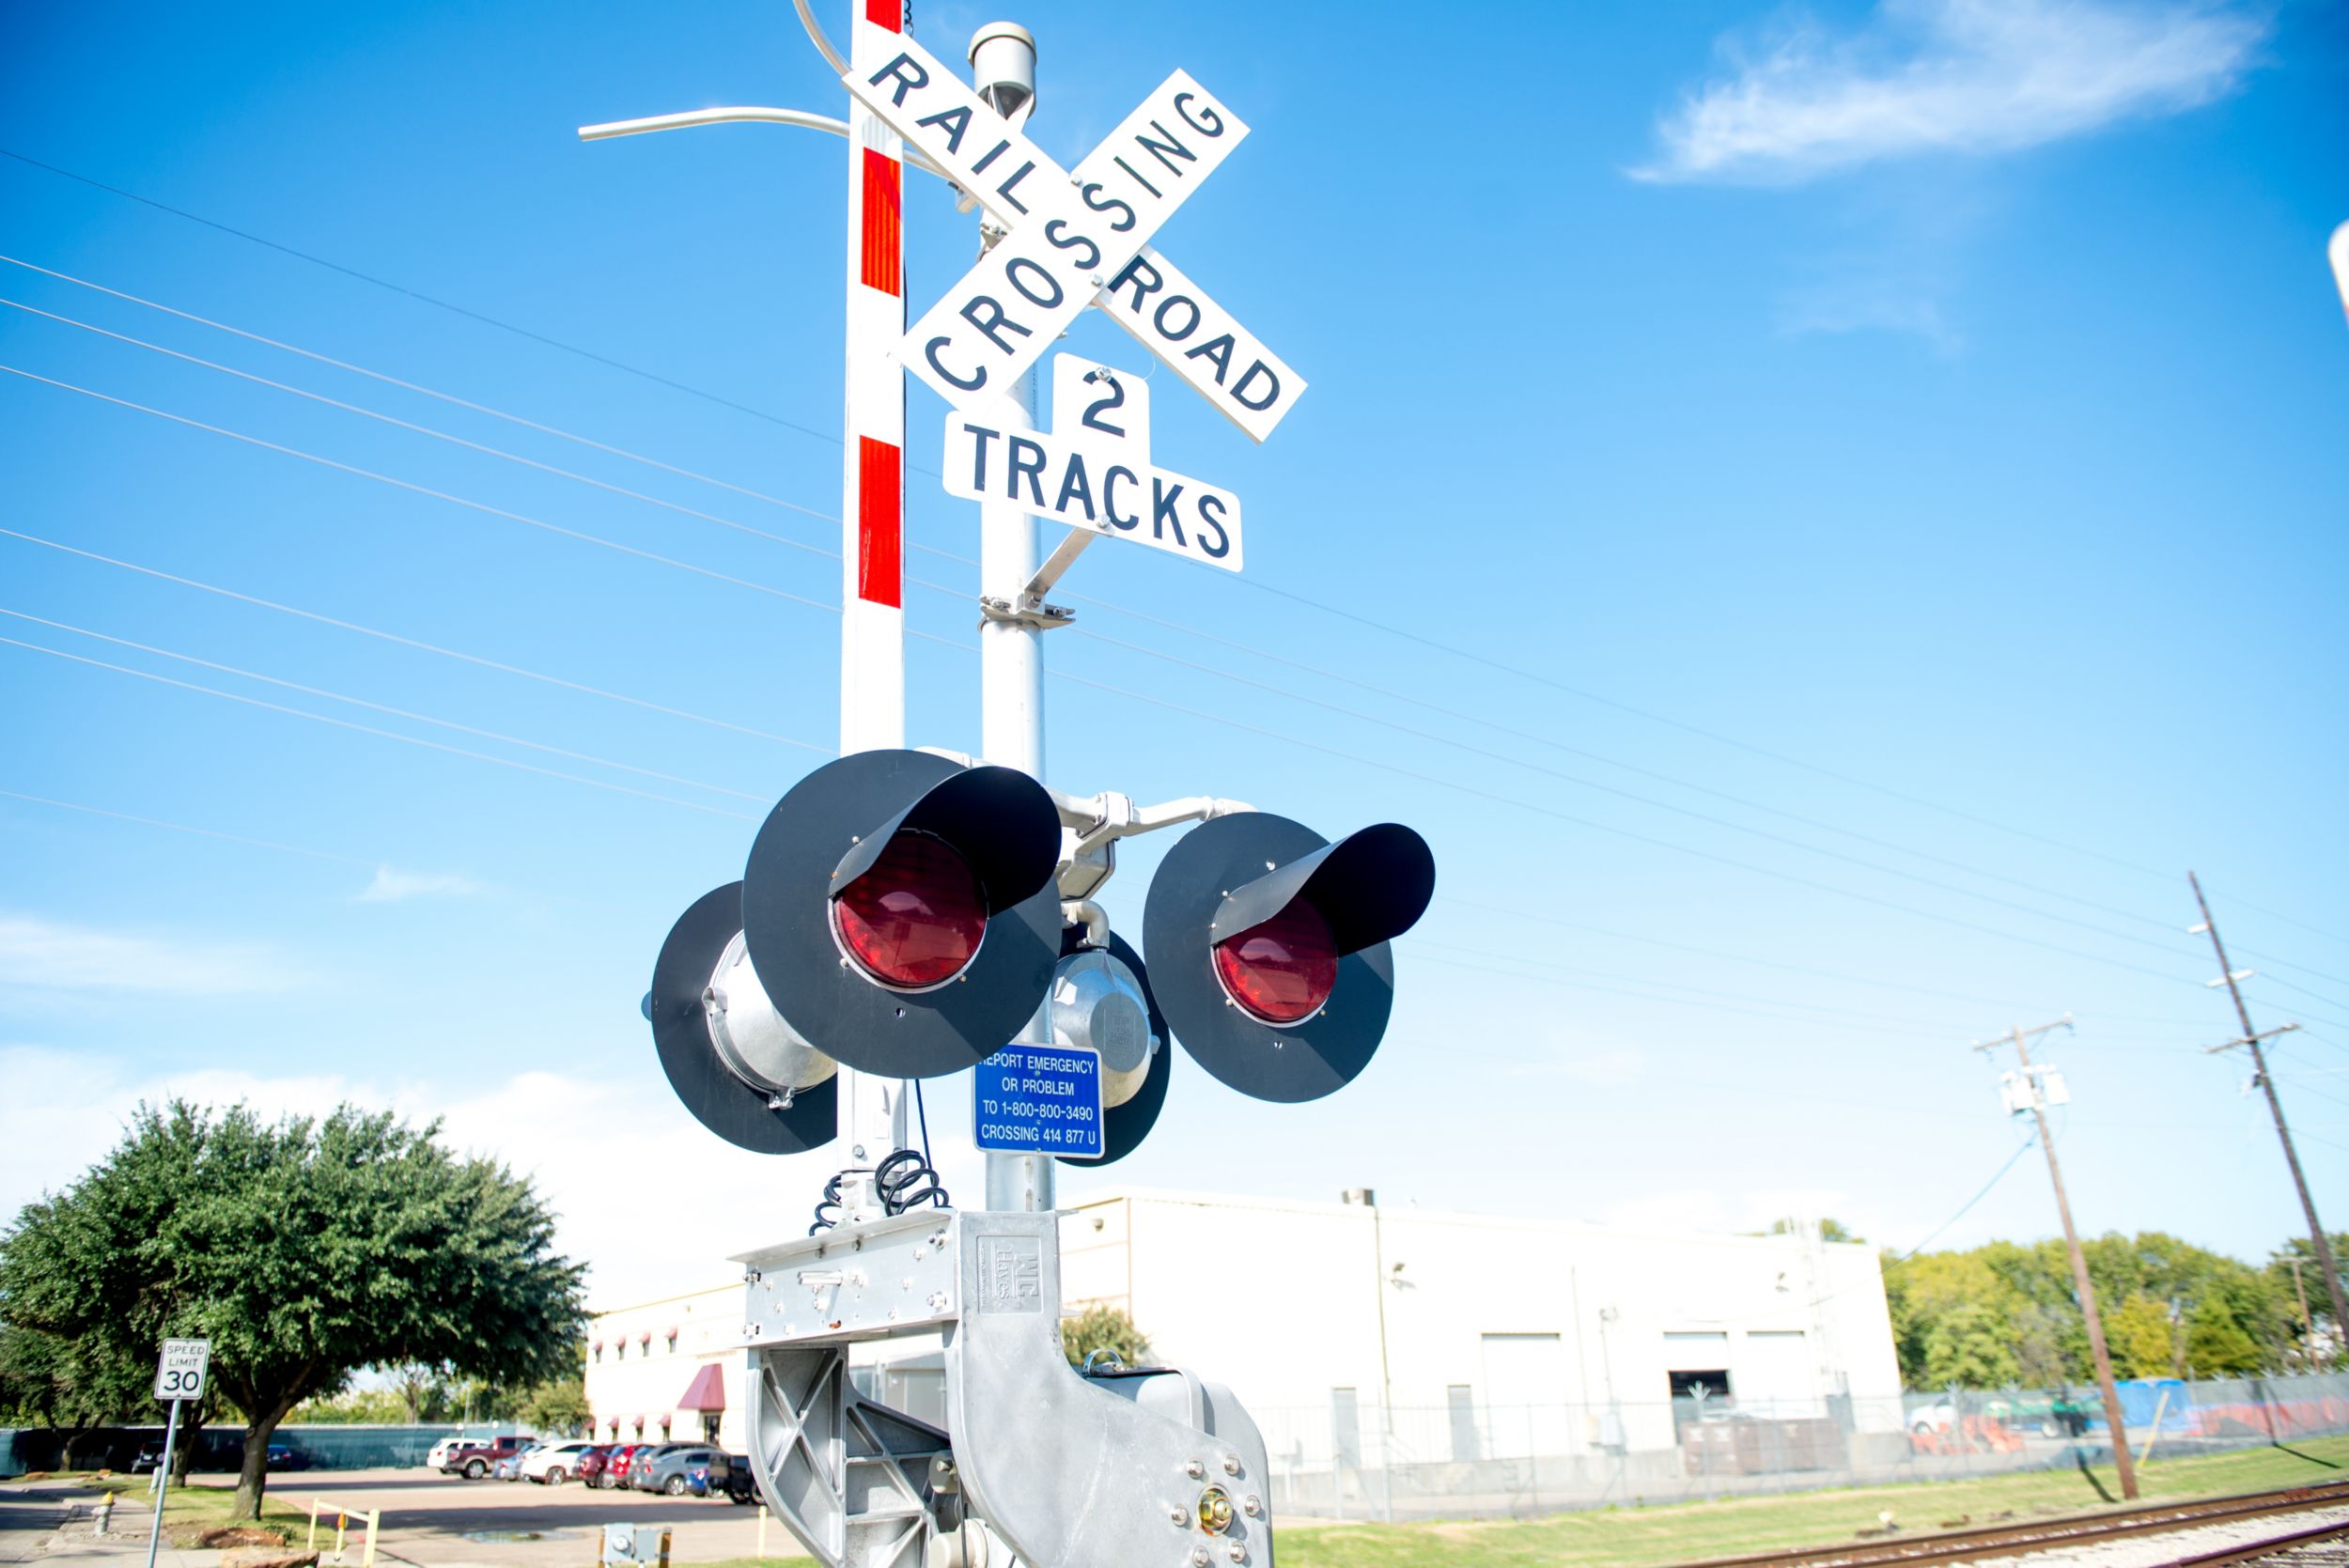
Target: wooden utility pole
x=2250 y=1040
x=2103 y=1359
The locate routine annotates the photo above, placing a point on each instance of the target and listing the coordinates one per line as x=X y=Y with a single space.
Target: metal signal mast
x=910 y=914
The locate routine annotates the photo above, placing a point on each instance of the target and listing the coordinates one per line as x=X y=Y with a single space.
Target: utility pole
x=2103 y=1359
x=2249 y=1040
x=2300 y=1291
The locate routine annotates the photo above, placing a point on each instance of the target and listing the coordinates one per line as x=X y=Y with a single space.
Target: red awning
x=708 y=1391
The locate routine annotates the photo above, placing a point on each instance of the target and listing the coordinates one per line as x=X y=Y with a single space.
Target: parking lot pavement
x=438 y=1521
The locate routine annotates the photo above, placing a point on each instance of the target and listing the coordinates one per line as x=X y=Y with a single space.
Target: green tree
x=304 y=1250
x=1969 y=1345
x=2216 y=1345
x=353 y=1407
x=558 y=1407
x=1103 y=1327
x=2141 y=1338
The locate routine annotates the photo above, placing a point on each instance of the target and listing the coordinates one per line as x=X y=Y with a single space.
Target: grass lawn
x=199 y=1506
x=1634 y=1538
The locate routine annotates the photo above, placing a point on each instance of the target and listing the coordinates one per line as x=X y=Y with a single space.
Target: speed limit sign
x=179 y=1371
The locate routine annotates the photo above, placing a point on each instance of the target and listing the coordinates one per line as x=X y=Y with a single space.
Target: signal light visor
x=915 y=918
x=1282 y=970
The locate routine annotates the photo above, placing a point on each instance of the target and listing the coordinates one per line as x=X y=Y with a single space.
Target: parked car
x=281 y=1457
x=670 y=1470
x=510 y=1467
x=149 y=1456
x=554 y=1463
x=437 y=1455
x=640 y=1463
x=615 y=1465
x=475 y=1459
x=740 y=1485
x=591 y=1463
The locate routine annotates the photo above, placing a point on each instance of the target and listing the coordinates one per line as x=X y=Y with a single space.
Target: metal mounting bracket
x=1030 y=612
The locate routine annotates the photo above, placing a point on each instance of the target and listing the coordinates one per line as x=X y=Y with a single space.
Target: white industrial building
x=1391 y=1351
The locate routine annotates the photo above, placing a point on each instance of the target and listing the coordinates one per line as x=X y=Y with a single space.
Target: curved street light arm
x=816 y=36
x=803 y=118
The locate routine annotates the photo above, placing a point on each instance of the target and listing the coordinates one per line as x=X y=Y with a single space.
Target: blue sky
x=1820 y=514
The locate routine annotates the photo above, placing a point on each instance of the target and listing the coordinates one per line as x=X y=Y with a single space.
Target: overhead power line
x=537 y=337
x=384 y=709
x=1386 y=628
x=398 y=640
x=380 y=417
x=380 y=733
x=418 y=388
x=427 y=491
x=958 y=594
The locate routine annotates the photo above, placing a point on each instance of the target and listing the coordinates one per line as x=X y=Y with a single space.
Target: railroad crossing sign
x=179 y=1370
x=1074 y=240
x=1094 y=470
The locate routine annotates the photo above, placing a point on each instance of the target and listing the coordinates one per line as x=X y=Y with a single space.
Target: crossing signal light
x=742 y=1071
x=1268 y=947
x=902 y=910
x=1101 y=1000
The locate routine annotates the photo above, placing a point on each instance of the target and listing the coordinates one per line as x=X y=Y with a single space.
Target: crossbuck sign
x=1071 y=239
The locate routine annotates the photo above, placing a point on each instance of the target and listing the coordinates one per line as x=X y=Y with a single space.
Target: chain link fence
x=1348 y=1459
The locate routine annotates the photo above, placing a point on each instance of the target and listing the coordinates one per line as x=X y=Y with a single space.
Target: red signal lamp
x=1282 y=970
x=915 y=917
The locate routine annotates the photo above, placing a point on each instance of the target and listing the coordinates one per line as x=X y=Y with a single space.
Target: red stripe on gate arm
x=885 y=251
x=880 y=524
x=886 y=13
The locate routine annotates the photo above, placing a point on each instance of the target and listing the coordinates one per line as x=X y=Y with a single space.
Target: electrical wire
x=452 y=440
x=184 y=827
x=1552 y=812
x=398 y=640
x=1146 y=651
x=382 y=733
x=486 y=320
x=1678 y=810
x=381 y=707
x=427 y=491
x=1352 y=713
x=418 y=388
x=1311 y=603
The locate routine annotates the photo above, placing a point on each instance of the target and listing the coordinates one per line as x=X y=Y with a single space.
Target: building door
x=1346 y=1429
x=1525 y=1395
x=1461 y=1399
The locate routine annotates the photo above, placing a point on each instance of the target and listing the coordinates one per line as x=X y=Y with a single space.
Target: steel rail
x=2253 y=1551
x=2008 y=1539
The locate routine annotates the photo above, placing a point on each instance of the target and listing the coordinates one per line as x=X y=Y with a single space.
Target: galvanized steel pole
x=1011 y=650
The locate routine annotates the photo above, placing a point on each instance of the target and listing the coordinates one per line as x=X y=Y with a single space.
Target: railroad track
x=2040 y=1536
x=2324 y=1546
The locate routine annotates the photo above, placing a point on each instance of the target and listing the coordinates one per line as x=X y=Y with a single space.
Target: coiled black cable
x=828 y=1208
x=905 y=1180
x=902 y=1181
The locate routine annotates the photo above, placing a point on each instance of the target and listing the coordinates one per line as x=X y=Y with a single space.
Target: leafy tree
x=1100 y=1326
x=354 y=1408
x=2216 y=1345
x=304 y=1250
x=2138 y=1334
x=558 y=1407
x=1970 y=1345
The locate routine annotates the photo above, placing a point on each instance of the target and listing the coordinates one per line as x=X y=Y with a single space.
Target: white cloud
x=42 y=955
x=1972 y=76
x=392 y=885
